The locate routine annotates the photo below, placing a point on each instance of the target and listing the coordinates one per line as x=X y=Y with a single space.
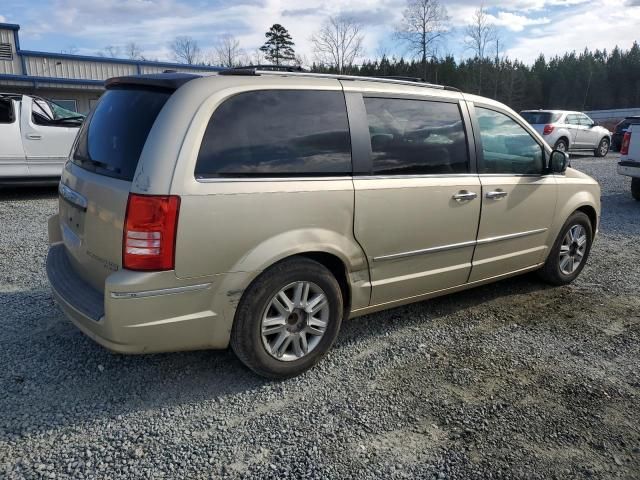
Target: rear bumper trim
x=70 y=287
x=162 y=291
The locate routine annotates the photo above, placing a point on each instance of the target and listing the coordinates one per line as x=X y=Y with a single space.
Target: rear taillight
x=149 y=235
x=548 y=129
x=624 y=149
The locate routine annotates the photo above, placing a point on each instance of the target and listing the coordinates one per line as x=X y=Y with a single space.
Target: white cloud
x=580 y=28
x=517 y=23
x=2 y=19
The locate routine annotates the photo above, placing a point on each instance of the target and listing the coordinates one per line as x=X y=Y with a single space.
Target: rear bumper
x=142 y=312
x=630 y=168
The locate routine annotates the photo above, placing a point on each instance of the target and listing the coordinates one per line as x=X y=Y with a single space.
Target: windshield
x=535 y=118
x=60 y=112
x=49 y=112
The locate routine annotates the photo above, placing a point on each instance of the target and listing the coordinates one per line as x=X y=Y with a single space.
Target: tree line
x=589 y=80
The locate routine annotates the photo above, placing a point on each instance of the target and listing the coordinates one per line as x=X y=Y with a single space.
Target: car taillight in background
x=624 y=149
x=150 y=232
x=548 y=129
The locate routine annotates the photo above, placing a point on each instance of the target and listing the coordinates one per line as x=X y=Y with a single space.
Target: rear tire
x=603 y=148
x=276 y=332
x=570 y=251
x=561 y=145
x=635 y=188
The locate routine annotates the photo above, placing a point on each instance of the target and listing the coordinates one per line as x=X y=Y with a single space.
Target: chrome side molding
x=453 y=246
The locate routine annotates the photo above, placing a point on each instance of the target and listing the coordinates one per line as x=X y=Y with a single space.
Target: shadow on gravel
x=53 y=372
x=9 y=193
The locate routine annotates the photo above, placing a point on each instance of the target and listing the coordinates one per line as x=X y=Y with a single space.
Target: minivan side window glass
x=6 y=111
x=416 y=137
x=277 y=133
x=506 y=146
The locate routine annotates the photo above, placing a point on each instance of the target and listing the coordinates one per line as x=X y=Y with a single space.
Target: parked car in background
x=260 y=208
x=569 y=131
x=629 y=163
x=36 y=136
x=619 y=131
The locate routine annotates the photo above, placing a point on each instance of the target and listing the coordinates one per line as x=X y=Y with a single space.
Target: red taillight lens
x=149 y=235
x=548 y=129
x=624 y=149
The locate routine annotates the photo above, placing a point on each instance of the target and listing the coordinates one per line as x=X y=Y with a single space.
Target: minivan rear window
x=536 y=118
x=112 y=137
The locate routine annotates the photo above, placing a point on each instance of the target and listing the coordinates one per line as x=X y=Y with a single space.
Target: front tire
x=635 y=188
x=603 y=148
x=288 y=318
x=570 y=251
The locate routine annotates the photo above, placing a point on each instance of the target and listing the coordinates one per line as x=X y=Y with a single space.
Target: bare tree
x=111 y=51
x=133 y=51
x=480 y=33
x=185 y=50
x=70 y=50
x=338 y=42
x=424 y=22
x=227 y=52
x=257 y=57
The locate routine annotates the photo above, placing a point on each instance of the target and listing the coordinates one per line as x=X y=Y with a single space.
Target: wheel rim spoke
x=295 y=321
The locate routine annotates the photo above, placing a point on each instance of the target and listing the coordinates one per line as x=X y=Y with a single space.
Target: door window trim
x=478 y=141
x=361 y=151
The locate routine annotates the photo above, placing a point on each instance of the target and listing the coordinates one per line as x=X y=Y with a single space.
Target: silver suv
x=569 y=131
x=260 y=209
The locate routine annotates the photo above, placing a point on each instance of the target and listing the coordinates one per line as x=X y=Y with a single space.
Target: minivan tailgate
x=92 y=210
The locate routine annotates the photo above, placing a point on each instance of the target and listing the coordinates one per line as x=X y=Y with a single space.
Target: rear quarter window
x=112 y=137
x=536 y=118
x=277 y=133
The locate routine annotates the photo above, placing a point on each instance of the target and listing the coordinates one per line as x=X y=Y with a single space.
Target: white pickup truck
x=36 y=136
x=629 y=163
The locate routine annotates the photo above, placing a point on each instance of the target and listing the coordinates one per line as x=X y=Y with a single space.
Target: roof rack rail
x=299 y=71
x=264 y=68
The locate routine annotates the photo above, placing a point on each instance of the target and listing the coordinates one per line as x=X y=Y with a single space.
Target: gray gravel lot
x=511 y=380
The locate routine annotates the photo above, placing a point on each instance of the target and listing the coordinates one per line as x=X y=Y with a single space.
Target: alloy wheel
x=295 y=321
x=573 y=249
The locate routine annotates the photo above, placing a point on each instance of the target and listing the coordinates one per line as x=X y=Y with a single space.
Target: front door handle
x=34 y=136
x=496 y=194
x=464 y=195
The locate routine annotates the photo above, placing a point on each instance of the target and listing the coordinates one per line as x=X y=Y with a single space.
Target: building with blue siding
x=73 y=81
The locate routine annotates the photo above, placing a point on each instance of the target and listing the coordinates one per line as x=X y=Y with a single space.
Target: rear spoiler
x=164 y=81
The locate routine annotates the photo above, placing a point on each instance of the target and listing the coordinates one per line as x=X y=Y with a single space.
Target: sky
x=526 y=28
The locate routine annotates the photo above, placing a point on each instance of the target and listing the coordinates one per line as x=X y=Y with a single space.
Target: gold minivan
x=261 y=208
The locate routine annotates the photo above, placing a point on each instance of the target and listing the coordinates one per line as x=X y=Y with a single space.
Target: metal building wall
x=10 y=66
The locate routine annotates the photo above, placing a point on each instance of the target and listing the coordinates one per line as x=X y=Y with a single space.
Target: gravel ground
x=511 y=380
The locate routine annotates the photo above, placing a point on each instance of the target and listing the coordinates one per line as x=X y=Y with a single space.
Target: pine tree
x=279 y=46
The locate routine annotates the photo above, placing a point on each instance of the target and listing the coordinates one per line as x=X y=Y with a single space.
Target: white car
x=569 y=131
x=36 y=138
x=629 y=163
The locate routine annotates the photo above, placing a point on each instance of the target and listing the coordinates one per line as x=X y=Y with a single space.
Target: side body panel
x=12 y=159
x=232 y=225
x=514 y=229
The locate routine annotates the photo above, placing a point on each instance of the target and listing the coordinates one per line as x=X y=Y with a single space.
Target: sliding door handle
x=496 y=194
x=464 y=196
x=34 y=136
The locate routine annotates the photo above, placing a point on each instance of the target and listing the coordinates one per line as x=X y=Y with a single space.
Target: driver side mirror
x=558 y=162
